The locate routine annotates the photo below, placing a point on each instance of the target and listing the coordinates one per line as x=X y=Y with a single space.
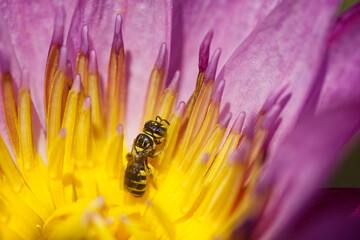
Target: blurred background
x=348 y=174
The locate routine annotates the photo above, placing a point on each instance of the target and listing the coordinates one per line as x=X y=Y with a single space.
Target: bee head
x=157 y=129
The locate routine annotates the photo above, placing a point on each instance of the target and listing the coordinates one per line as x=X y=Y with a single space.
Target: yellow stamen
x=155 y=87
x=31 y=166
x=55 y=107
x=10 y=110
x=115 y=91
x=82 y=63
x=51 y=66
x=55 y=169
x=94 y=92
x=197 y=116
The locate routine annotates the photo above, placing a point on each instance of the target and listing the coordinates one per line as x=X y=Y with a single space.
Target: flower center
x=205 y=182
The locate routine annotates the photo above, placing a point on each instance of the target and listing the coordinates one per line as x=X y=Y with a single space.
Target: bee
x=144 y=146
x=153 y=134
x=135 y=174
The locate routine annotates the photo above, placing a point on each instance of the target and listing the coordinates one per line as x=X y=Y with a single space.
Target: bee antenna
x=166 y=121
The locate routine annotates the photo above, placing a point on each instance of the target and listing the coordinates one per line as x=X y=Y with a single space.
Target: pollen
x=205 y=182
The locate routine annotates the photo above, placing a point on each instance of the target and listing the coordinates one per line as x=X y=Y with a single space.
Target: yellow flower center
x=203 y=184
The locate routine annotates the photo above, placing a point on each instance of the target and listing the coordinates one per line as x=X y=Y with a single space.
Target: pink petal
x=99 y=16
x=342 y=79
x=231 y=21
x=30 y=25
x=305 y=159
x=146 y=25
x=286 y=48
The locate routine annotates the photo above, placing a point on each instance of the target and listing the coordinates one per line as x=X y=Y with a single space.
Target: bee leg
x=149 y=169
x=128 y=157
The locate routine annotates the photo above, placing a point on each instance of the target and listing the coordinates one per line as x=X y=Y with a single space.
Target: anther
x=87 y=103
x=58 y=35
x=62 y=58
x=211 y=69
x=271 y=117
x=68 y=70
x=239 y=122
x=76 y=87
x=204 y=52
x=161 y=58
x=218 y=92
x=175 y=81
x=93 y=62
x=24 y=83
x=118 y=42
x=84 y=47
x=226 y=119
x=272 y=99
x=179 y=110
x=120 y=129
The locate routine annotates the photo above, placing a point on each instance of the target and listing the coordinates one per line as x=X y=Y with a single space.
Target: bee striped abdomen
x=135 y=179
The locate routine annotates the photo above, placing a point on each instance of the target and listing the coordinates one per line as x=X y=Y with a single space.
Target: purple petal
x=329 y=216
x=305 y=159
x=286 y=48
x=231 y=22
x=99 y=16
x=30 y=25
x=342 y=79
x=146 y=25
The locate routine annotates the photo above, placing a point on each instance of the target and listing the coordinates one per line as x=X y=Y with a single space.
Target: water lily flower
x=245 y=148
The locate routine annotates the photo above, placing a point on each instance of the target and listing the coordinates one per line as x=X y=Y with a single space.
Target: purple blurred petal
x=329 y=216
x=30 y=25
x=146 y=25
x=342 y=79
x=305 y=159
x=231 y=21
x=286 y=48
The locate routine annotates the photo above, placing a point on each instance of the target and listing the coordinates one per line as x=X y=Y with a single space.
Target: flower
x=246 y=176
